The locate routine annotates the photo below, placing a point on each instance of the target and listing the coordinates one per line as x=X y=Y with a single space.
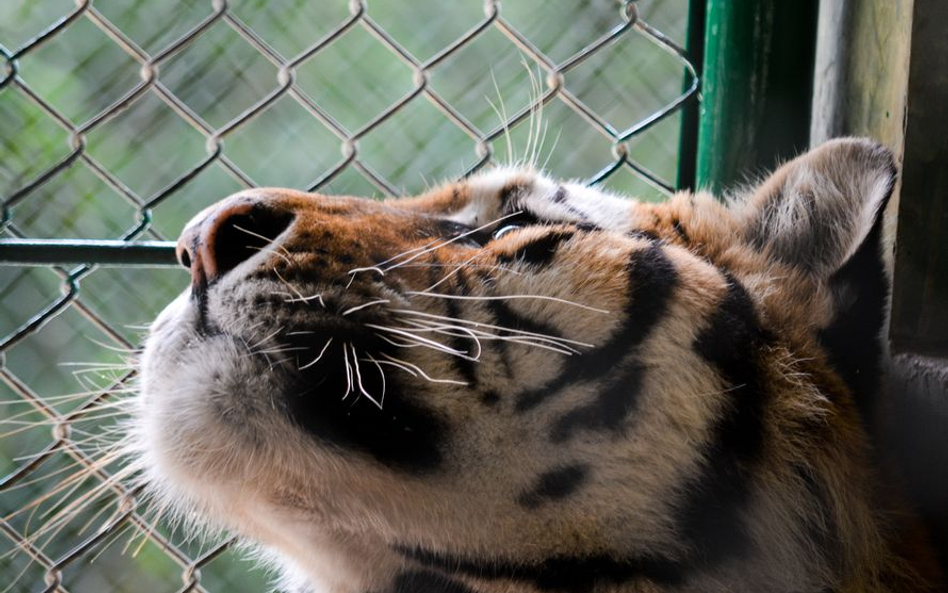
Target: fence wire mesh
x=123 y=119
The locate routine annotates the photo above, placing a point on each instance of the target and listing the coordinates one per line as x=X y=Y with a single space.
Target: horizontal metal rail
x=46 y=252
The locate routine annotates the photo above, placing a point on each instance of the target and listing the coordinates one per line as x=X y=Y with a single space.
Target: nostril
x=184 y=258
x=242 y=234
x=228 y=234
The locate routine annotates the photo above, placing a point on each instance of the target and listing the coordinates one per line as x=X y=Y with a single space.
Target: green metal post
x=688 y=135
x=758 y=81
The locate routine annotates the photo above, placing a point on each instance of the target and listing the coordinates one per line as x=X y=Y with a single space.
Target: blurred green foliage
x=146 y=146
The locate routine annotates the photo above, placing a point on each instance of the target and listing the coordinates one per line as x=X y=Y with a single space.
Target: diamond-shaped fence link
x=120 y=120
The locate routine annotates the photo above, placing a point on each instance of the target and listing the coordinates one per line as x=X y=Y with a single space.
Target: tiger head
x=511 y=383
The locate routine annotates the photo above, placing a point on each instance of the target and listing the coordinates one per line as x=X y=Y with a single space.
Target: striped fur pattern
x=512 y=384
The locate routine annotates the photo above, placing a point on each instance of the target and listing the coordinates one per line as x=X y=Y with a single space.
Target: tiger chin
x=513 y=384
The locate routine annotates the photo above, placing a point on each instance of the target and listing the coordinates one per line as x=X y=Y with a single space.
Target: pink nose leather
x=197 y=246
x=230 y=233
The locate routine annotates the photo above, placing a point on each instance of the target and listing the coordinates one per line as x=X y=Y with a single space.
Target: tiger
x=512 y=384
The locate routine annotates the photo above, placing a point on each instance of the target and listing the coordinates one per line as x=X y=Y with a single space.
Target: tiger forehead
x=482 y=196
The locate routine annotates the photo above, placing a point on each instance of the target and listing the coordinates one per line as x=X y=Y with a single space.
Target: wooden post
x=920 y=300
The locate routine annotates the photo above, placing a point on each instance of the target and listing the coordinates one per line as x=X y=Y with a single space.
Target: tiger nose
x=228 y=234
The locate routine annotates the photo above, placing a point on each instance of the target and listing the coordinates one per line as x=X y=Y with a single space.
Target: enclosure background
x=95 y=145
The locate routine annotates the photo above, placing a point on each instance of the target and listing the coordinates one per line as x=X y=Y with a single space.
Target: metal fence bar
x=64 y=252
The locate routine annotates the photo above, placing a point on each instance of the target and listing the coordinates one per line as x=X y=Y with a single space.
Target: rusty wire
x=150 y=83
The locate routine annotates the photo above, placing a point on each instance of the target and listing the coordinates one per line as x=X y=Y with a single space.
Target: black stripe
x=644 y=234
x=569 y=574
x=680 y=230
x=460 y=234
x=511 y=193
x=499 y=345
x=732 y=342
x=821 y=523
x=587 y=227
x=554 y=484
x=539 y=251
x=652 y=280
x=559 y=195
x=490 y=398
x=710 y=516
x=609 y=411
x=507 y=317
x=424 y=581
x=853 y=340
x=466 y=368
x=404 y=435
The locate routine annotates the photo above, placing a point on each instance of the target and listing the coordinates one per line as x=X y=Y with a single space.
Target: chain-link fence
x=122 y=119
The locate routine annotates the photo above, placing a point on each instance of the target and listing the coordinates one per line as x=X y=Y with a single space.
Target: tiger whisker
x=27 y=567
x=381 y=373
x=109 y=542
x=96 y=365
x=466 y=266
x=24 y=425
x=118 y=511
x=365 y=305
x=423 y=341
x=296 y=291
x=55 y=524
x=463 y=332
x=282 y=349
x=267 y=338
x=69 y=467
x=269 y=240
x=414 y=253
x=280 y=362
x=126 y=349
x=267 y=249
x=480 y=324
x=541 y=297
x=317 y=359
x=97 y=404
x=303 y=299
x=533 y=121
x=549 y=155
x=67 y=482
x=502 y=115
x=438 y=322
x=358 y=376
x=450 y=241
x=454 y=272
x=345 y=358
x=69 y=486
x=376 y=269
x=156 y=508
x=67 y=397
x=398 y=344
x=404 y=365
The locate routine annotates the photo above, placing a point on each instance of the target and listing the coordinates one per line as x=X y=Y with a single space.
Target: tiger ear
x=822 y=213
x=816 y=211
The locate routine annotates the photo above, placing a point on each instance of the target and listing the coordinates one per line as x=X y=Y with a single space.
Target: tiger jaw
x=477 y=408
